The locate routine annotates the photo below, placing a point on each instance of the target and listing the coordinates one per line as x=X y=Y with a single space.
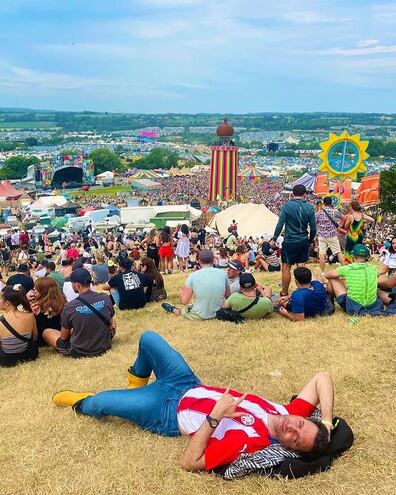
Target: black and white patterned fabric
x=263 y=461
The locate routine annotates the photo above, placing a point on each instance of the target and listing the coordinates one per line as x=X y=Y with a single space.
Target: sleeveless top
x=13 y=345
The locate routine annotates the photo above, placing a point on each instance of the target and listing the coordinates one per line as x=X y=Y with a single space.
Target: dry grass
x=45 y=450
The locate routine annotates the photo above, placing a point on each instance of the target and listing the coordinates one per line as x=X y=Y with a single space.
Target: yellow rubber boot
x=69 y=398
x=136 y=382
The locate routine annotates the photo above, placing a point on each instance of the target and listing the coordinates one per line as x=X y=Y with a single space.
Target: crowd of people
x=66 y=293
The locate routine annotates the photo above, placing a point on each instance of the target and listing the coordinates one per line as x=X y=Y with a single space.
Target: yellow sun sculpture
x=343 y=155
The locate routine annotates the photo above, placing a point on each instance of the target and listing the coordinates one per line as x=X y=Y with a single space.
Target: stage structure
x=71 y=170
x=224 y=166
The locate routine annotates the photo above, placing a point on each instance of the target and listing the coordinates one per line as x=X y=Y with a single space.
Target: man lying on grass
x=222 y=423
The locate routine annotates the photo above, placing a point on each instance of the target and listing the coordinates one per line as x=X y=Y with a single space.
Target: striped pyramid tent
x=251 y=172
x=145 y=174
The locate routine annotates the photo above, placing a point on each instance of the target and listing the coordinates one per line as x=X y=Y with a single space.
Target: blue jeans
x=152 y=407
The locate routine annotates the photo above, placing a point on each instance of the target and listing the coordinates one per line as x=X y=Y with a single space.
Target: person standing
x=183 y=247
x=327 y=220
x=354 y=226
x=296 y=215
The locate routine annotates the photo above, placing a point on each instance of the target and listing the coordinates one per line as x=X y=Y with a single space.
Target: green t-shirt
x=361 y=280
x=59 y=279
x=238 y=301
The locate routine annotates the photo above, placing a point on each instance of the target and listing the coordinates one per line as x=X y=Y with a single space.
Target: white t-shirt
x=390 y=261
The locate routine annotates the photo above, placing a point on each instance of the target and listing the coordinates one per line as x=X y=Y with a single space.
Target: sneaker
x=169 y=272
x=168 y=307
x=69 y=398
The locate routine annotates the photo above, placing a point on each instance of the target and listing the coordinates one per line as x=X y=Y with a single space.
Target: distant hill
x=108 y=122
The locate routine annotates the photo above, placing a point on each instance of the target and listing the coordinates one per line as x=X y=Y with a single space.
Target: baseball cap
x=236 y=265
x=80 y=275
x=206 y=255
x=246 y=280
x=360 y=251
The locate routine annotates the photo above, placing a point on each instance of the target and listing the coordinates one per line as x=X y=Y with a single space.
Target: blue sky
x=198 y=55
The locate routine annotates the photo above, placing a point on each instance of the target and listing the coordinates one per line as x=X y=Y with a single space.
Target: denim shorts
x=353 y=308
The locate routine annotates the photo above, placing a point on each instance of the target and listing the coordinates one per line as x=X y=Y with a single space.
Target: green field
x=28 y=125
x=103 y=191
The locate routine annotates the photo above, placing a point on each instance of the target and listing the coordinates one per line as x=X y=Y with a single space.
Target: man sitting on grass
x=309 y=299
x=249 y=292
x=84 y=333
x=221 y=423
x=209 y=287
x=355 y=286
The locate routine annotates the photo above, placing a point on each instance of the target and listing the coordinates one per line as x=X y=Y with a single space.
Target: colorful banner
x=368 y=192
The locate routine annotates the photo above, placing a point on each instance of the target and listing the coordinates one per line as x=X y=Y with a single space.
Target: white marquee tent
x=253 y=220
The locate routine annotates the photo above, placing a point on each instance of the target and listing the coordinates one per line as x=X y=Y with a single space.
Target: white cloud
x=354 y=52
x=367 y=43
x=23 y=76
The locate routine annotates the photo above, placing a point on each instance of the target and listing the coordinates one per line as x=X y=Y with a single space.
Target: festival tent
x=59 y=222
x=71 y=207
x=105 y=175
x=252 y=220
x=144 y=174
x=368 y=192
x=306 y=180
x=8 y=192
x=251 y=172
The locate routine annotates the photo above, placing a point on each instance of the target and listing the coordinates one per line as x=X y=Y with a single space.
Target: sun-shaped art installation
x=343 y=155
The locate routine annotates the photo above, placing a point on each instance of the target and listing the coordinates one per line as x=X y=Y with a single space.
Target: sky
x=227 y=56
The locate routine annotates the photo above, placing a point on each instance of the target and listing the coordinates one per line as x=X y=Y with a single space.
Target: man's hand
x=226 y=406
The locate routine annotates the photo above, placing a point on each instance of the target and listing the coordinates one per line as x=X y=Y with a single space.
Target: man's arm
x=65 y=333
x=185 y=295
x=194 y=456
x=312 y=227
x=291 y=316
x=320 y=390
x=331 y=274
x=280 y=224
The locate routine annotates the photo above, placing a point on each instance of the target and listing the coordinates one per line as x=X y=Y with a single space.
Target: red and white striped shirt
x=233 y=436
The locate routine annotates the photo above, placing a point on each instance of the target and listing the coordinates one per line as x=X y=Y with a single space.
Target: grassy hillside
x=48 y=450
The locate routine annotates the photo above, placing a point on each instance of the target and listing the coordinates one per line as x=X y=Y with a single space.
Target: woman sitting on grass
x=156 y=290
x=269 y=261
x=241 y=256
x=221 y=259
x=18 y=331
x=47 y=303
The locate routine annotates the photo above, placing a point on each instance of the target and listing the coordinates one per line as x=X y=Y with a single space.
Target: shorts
x=295 y=252
x=353 y=308
x=331 y=243
x=188 y=312
x=274 y=268
x=165 y=252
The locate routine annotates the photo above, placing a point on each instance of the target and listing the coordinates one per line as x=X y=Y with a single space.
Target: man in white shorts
x=327 y=220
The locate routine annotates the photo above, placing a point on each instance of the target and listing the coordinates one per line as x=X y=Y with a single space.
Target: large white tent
x=253 y=220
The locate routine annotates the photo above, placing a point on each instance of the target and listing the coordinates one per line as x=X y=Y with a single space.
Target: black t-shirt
x=130 y=287
x=90 y=335
x=19 y=278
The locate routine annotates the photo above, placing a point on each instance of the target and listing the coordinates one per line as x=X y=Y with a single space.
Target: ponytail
x=16 y=296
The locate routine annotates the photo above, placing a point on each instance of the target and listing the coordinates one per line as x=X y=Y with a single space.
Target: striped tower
x=223 y=173
x=224 y=166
